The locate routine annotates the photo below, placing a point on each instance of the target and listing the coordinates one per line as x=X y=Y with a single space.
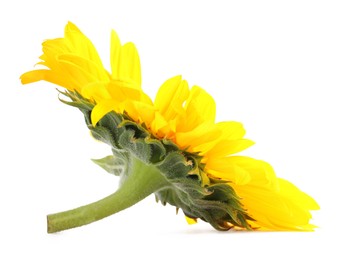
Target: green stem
x=142 y=181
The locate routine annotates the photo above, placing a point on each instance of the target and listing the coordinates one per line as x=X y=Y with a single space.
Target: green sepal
x=77 y=100
x=187 y=184
x=111 y=164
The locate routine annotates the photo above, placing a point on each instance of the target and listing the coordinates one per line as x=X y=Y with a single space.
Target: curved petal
x=204 y=134
x=125 y=61
x=115 y=49
x=88 y=66
x=231 y=130
x=275 y=204
x=140 y=112
x=47 y=75
x=96 y=91
x=102 y=108
x=233 y=168
x=123 y=90
x=73 y=61
x=272 y=210
x=160 y=126
x=200 y=107
x=227 y=147
x=292 y=193
x=171 y=96
x=79 y=44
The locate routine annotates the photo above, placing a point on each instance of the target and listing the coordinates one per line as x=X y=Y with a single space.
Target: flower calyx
x=185 y=183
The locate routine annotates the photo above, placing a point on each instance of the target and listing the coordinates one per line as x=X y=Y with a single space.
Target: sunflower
x=171 y=146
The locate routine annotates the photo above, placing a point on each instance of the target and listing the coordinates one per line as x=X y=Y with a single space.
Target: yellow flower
x=181 y=115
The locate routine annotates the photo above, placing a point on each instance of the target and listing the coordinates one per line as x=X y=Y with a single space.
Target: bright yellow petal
x=230 y=172
x=73 y=61
x=54 y=47
x=231 y=130
x=171 y=96
x=102 y=108
x=241 y=169
x=130 y=66
x=201 y=135
x=168 y=88
x=115 y=49
x=125 y=61
x=96 y=91
x=275 y=204
x=88 y=66
x=190 y=221
x=160 y=126
x=200 y=108
x=76 y=73
x=123 y=90
x=79 y=44
x=47 y=75
x=291 y=192
x=271 y=210
x=140 y=112
x=227 y=147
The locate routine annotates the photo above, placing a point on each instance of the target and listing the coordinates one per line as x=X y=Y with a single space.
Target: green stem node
x=141 y=181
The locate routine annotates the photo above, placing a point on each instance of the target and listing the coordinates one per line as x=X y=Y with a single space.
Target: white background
x=269 y=64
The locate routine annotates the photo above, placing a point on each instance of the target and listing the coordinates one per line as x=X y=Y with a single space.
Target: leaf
x=111 y=164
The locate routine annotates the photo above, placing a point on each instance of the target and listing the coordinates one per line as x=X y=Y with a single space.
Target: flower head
x=175 y=138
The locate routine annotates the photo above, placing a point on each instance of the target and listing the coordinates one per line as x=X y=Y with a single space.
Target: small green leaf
x=111 y=164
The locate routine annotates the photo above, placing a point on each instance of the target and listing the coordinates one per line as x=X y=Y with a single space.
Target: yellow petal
x=291 y=192
x=271 y=210
x=96 y=91
x=123 y=90
x=170 y=97
x=77 y=74
x=203 y=134
x=32 y=76
x=115 y=49
x=141 y=112
x=130 y=66
x=79 y=44
x=241 y=169
x=73 y=61
x=53 y=48
x=102 y=108
x=231 y=130
x=190 y=221
x=88 y=66
x=229 y=172
x=200 y=107
x=227 y=147
x=160 y=126
x=275 y=204
x=47 y=75
x=125 y=61
x=233 y=173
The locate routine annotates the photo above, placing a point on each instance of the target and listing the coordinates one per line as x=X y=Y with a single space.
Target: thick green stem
x=142 y=181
